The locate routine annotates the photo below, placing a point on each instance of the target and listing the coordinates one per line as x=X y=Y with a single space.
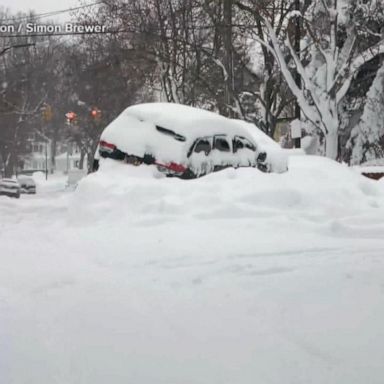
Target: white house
x=67 y=157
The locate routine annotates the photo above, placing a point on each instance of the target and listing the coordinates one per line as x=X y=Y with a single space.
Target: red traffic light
x=95 y=113
x=71 y=116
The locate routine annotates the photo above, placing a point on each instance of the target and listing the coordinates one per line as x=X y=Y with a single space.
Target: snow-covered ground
x=238 y=277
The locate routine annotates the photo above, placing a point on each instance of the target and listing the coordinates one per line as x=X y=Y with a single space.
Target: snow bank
x=312 y=186
x=238 y=277
x=54 y=182
x=372 y=166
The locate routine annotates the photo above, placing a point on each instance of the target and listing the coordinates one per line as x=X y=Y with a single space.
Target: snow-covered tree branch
x=327 y=72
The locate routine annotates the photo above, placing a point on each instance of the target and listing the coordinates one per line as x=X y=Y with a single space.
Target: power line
x=52 y=13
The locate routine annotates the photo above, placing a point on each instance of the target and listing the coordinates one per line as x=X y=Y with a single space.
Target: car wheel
x=188 y=174
x=262 y=167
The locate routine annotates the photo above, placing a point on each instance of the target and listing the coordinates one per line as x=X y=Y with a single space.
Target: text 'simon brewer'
x=66 y=28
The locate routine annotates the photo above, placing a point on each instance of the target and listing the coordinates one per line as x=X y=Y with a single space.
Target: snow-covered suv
x=187 y=142
x=27 y=184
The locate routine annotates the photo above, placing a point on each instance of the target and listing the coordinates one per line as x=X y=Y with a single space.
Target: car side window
x=221 y=144
x=237 y=144
x=240 y=142
x=202 y=145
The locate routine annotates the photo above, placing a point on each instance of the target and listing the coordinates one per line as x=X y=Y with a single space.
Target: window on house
x=39 y=148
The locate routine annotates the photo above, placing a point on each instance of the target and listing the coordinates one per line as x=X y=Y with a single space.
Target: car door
x=245 y=152
x=222 y=155
x=199 y=159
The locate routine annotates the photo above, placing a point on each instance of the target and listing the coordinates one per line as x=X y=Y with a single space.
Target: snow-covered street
x=238 y=277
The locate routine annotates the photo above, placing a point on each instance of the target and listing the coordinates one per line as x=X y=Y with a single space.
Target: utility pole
x=46 y=160
x=228 y=54
x=297 y=140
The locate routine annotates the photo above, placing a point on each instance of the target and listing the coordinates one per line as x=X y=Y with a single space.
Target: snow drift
x=312 y=186
x=237 y=277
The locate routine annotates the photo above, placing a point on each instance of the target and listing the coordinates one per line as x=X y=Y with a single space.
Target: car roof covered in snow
x=7 y=180
x=257 y=135
x=187 y=121
x=25 y=179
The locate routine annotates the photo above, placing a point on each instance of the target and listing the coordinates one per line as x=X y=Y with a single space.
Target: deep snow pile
x=237 y=277
x=314 y=187
x=52 y=183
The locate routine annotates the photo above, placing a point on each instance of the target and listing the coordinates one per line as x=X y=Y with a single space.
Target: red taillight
x=178 y=168
x=171 y=168
x=107 y=146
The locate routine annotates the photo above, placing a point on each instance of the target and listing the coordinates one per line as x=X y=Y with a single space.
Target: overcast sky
x=41 y=6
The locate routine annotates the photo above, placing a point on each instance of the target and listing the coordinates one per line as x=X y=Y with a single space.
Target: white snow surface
x=238 y=277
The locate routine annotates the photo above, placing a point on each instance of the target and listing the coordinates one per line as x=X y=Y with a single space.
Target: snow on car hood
x=276 y=156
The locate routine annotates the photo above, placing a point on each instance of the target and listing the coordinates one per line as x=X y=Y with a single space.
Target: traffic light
x=96 y=113
x=71 y=117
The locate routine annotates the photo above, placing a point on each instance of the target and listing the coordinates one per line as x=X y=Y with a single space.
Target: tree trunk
x=53 y=150
x=331 y=145
x=228 y=58
x=9 y=166
x=81 y=162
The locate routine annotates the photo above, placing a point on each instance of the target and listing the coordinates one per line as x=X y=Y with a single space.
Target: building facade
x=68 y=157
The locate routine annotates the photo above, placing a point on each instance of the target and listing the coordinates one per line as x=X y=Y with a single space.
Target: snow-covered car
x=186 y=142
x=10 y=187
x=27 y=184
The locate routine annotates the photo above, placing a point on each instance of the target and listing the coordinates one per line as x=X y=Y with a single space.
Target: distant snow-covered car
x=187 y=142
x=10 y=187
x=27 y=184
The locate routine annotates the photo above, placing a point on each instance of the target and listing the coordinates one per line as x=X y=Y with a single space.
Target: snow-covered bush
x=367 y=138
